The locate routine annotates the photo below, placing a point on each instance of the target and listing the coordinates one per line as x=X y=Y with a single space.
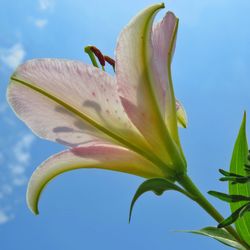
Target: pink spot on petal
x=78 y=72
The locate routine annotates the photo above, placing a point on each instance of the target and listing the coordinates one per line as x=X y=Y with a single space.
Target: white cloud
x=45 y=5
x=17 y=169
x=5 y=190
x=20 y=180
x=4 y=217
x=21 y=149
x=40 y=23
x=12 y=56
x=15 y=158
x=14 y=161
x=21 y=152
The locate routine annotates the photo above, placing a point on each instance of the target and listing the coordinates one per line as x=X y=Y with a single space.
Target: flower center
x=94 y=53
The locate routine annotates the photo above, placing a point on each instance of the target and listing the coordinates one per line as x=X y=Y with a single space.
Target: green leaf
x=229 y=198
x=235 y=216
x=245 y=210
x=219 y=234
x=156 y=185
x=226 y=173
x=237 y=165
x=235 y=180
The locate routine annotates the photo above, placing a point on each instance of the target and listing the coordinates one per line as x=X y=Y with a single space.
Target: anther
x=110 y=61
x=94 y=53
x=98 y=54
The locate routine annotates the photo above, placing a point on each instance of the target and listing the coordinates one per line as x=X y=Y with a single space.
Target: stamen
x=110 y=61
x=98 y=54
x=91 y=56
x=94 y=53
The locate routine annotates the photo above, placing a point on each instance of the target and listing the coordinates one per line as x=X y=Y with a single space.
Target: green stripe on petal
x=136 y=80
x=73 y=103
x=69 y=83
x=95 y=155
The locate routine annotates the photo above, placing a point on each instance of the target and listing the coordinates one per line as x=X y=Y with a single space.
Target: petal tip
x=32 y=203
x=35 y=212
x=184 y=125
x=182 y=118
x=170 y=13
x=33 y=209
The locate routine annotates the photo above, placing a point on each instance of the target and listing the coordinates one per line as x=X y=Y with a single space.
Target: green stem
x=198 y=197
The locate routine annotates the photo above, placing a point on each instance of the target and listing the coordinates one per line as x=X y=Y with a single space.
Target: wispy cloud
x=21 y=149
x=13 y=56
x=21 y=152
x=45 y=5
x=13 y=164
x=15 y=157
x=5 y=217
x=40 y=23
x=6 y=190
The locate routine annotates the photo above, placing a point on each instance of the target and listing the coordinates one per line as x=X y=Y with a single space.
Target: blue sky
x=88 y=209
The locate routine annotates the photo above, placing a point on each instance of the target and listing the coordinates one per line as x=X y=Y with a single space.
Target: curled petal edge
x=102 y=156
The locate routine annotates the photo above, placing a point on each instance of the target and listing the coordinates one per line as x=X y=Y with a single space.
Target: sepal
x=157 y=186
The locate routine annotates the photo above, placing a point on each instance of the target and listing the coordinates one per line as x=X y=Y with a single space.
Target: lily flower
x=125 y=122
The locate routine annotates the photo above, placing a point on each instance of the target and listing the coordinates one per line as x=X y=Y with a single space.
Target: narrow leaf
x=245 y=210
x=229 y=198
x=247 y=167
x=234 y=216
x=238 y=161
x=234 y=180
x=156 y=185
x=220 y=235
x=225 y=173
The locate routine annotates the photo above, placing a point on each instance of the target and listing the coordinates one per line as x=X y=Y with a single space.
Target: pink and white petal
x=163 y=40
x=136 y=81
x=69 y=101
x=181 y=115
x=93 y=155
x=49 y=120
